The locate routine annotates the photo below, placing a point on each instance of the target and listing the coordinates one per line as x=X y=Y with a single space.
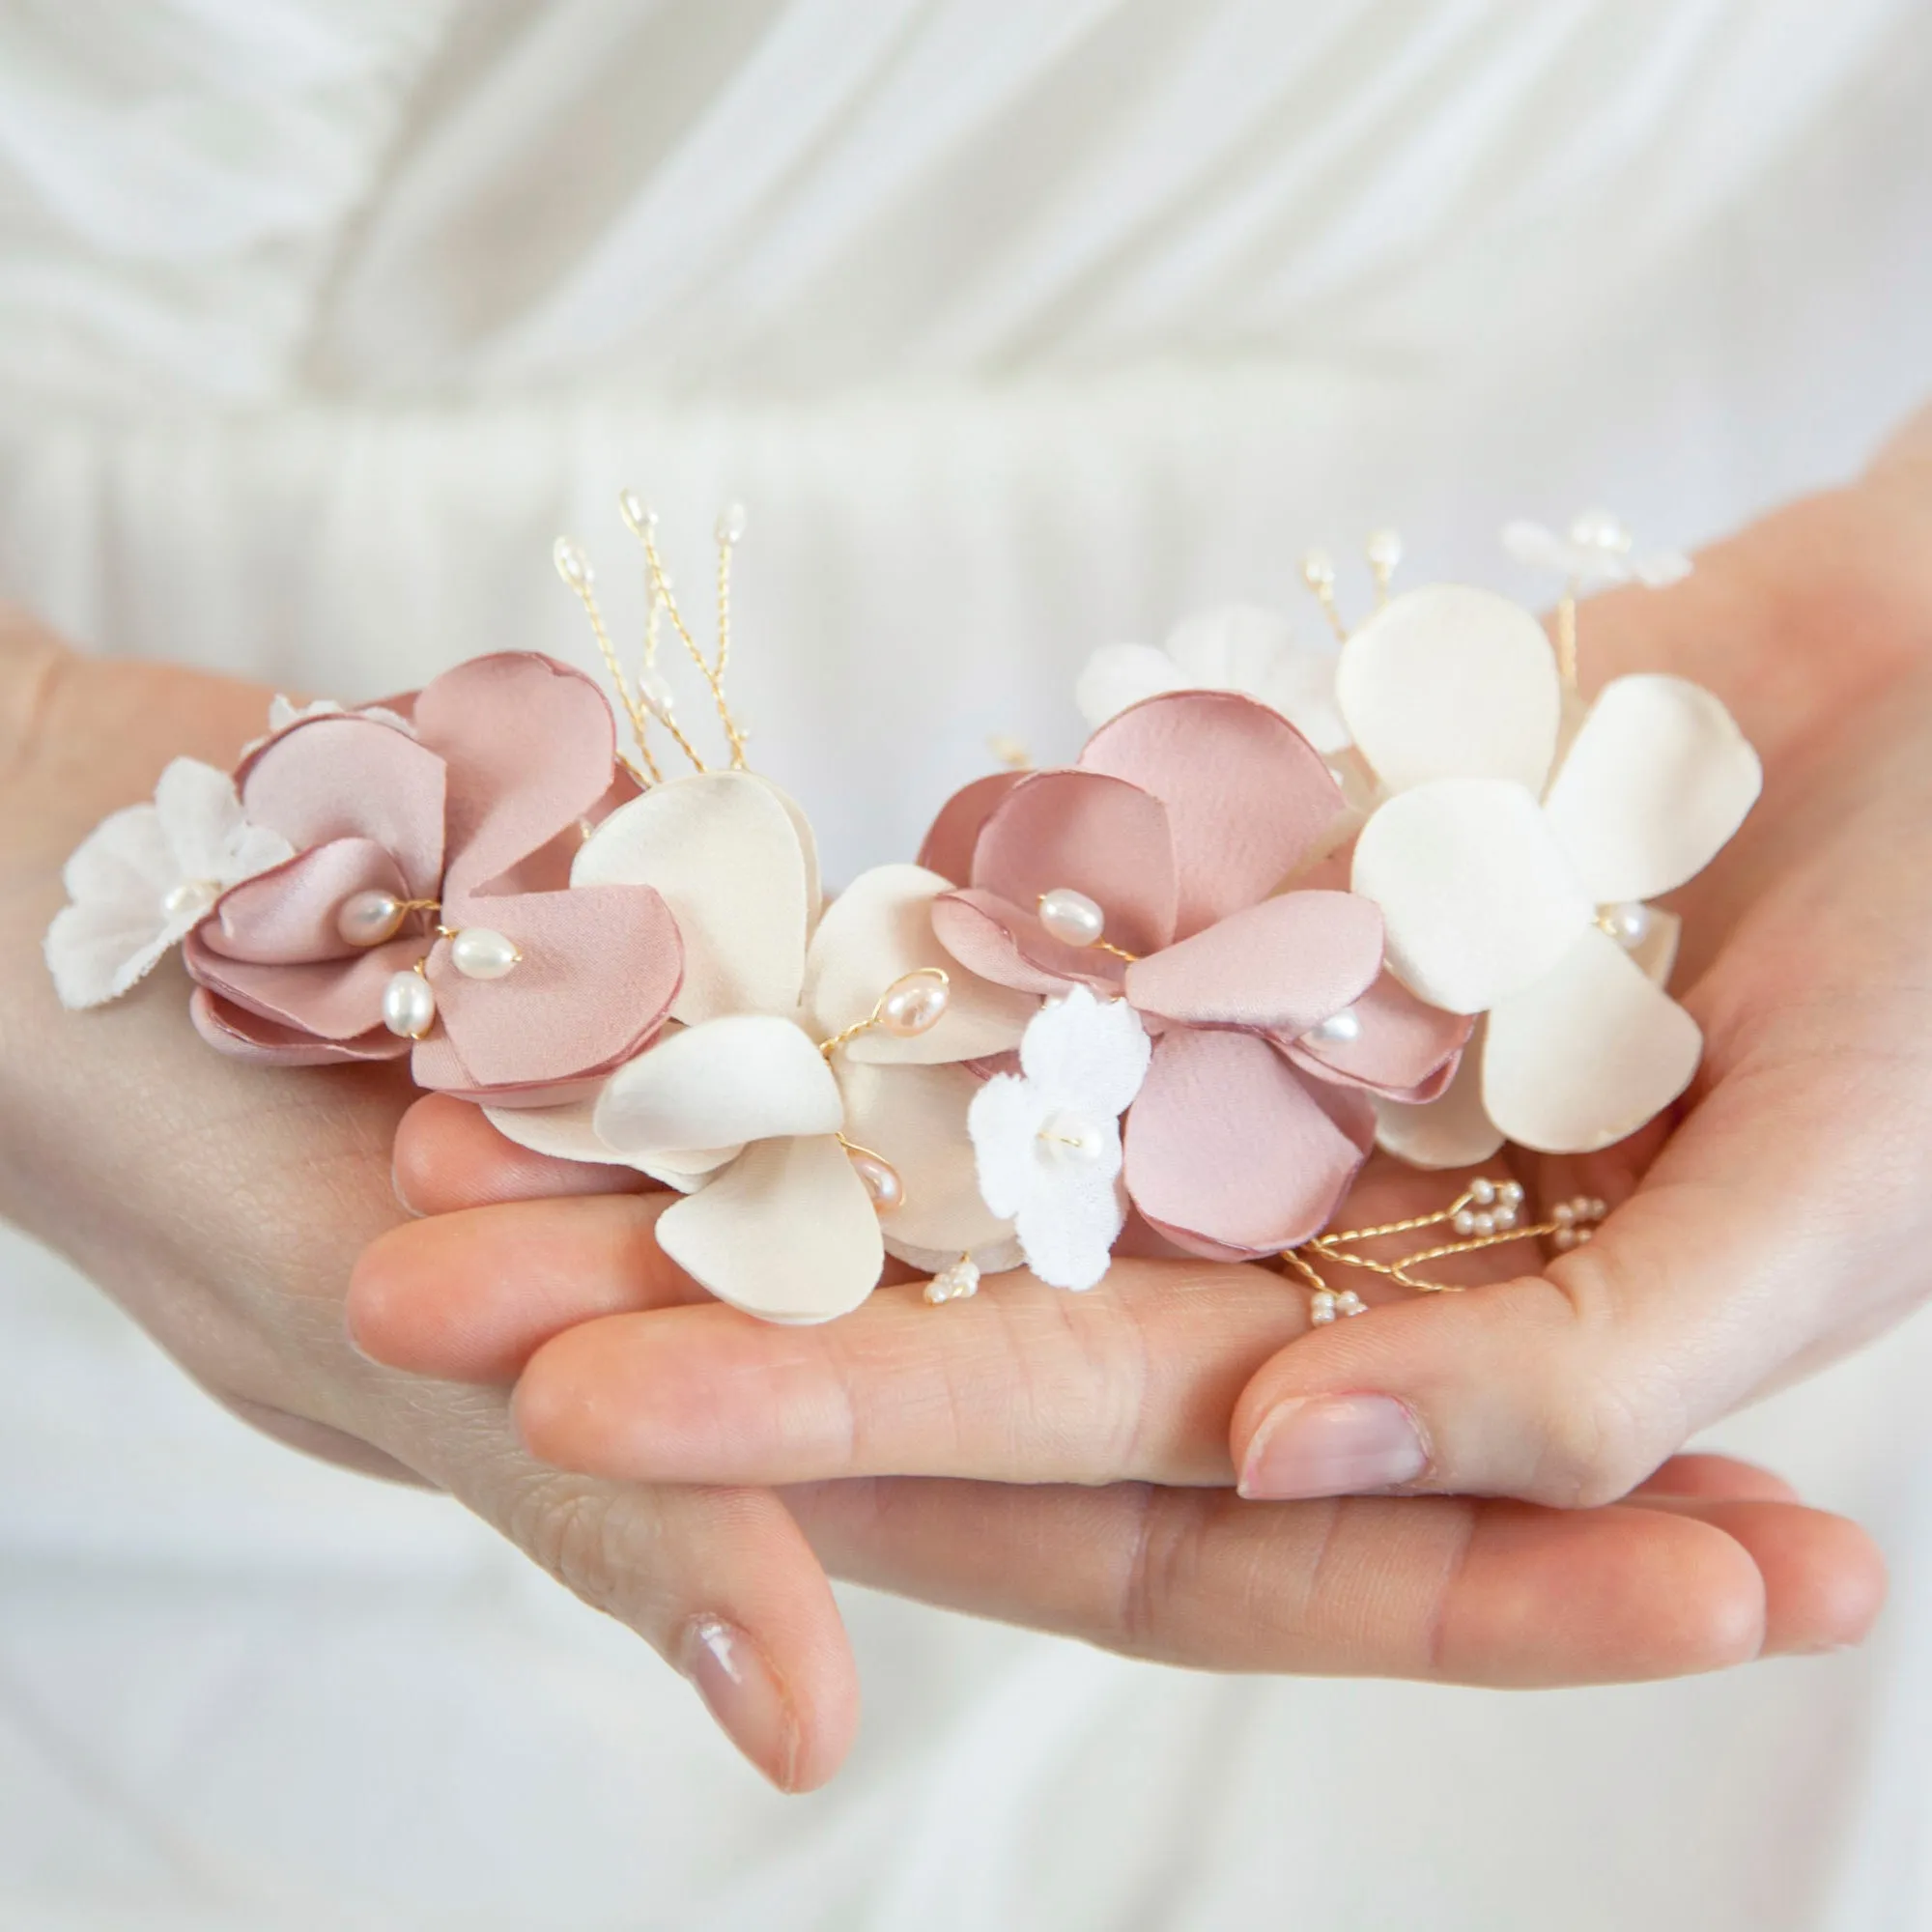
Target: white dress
x=1019 y=329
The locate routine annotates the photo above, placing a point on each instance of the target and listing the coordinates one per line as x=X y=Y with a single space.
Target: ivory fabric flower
x=1153 y=870
x=1047 y=1140
x=407 y=835
x=1512 y=871
x=802 y=1160
x=1235 y=647
x=144 y=876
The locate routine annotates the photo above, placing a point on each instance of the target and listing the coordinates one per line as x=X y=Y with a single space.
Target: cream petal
x=1120 y=675
x=1478 y=899
x=1655 y=784
x=875 y=932
x=1587 y=1054
x=915 y=1117
x=724 y=852
x=1450 y=682
x=1450 y=1131
x=745 y=1078
x=564 y=1133
x=998 y=1256
x=786 y=1233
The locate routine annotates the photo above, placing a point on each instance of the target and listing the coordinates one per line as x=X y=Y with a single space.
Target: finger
x=1706 y=1478
x=469 y=1296
x=1490 y=1593
x=1021 y=1383
x=449 y=1157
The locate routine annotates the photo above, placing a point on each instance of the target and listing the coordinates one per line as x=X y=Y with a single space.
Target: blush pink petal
x=287 y=916
x=1228 y=1150
x=344 y=776
x=1000 y=942
x=1249 y=798
x=1406 y=1049
x=1097 y=834
x=949 y=846
x=332 y=999
x=1282 y=966
x=244 y=1036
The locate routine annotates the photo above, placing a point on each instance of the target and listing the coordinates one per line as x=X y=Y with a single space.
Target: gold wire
x=828 y=1047
x=724 y=548
x=1566 y=636
x=632 y=709
x=711 y=673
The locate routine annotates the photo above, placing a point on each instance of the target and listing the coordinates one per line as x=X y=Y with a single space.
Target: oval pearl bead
x=1073 y=1138
x=660 y=701
x=408 y=1006
x=1338 y=1029
x=914 y=1005
x=1071 y=918
x=367 y=919
x=190 y=899
x=882 y=1181
x=1628 y=925
x=481 y=953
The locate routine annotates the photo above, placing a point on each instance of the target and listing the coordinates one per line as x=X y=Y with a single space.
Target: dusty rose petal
x=332 y=999
x=598 y=970
x=1406 y=1049
x=244 y=1036
x=1284 y=965
x=287 y=916
x=1227 y=1147
x=949 y=846
x=1249 y=798
x=1093 y=834
x=344 y=776
x=997 y=940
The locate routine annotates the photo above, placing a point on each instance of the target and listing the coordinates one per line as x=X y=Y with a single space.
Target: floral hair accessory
x=1291 y=901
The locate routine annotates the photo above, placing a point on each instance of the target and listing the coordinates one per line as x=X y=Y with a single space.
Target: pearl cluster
x=1577 y=1220
x=958 y=1281
x=1495 y=1206
x=1326 y=1304
x=374 y=916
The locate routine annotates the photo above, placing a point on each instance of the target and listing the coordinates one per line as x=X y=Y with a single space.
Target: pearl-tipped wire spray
x=1317 y=572
x=1383 y=551
x=642 y=521
x=573 y=567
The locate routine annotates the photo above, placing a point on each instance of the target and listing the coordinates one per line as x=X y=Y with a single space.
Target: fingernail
x=742 y=1692
x=1335 y=1445
x=403 y=1200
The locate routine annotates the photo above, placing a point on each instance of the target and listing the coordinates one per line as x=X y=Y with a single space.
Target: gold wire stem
x=1566 y=636
x=724 y=548
x=711 y=674
x=1119 y=951
x=634 y=710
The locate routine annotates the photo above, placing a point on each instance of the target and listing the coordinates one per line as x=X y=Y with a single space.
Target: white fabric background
x=1019 y=328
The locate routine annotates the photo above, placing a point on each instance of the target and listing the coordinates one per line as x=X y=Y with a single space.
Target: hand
x=223 y=1205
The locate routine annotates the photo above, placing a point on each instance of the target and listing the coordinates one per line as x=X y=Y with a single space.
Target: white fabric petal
x=125 y=861
x=201 y=818
x=1537 y=546
x=1067 y=1233
x=915 y=1117
x=1452 y=1131
x=1004 y=1123
x=876 y=932
x=1117 y=676
x=745 y=1078
x=1477 y=897
x=1450 y=682
x=1655 y=784
x=786 y=1233
x=1587 y=1054
x=565 y=1133
x=1661 y=568
x=724 y=851
x=97 y=950
x=1087 y=1053
x=1245 y=648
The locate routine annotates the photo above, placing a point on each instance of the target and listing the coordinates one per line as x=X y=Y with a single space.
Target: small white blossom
x=1596 y=549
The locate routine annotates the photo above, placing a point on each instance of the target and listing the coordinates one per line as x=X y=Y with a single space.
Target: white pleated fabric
x=1019 y=329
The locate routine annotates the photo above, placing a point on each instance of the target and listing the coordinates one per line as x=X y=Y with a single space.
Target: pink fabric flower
x=479 y=812
x=1272 y=1017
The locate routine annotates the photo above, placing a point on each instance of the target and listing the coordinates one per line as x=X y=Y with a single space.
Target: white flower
x=284 y=712
x=1511 y=892
x=800 y=1165
x=145 y=877
x=1238 y=647
x=1047 y=1139
x=1596 y=549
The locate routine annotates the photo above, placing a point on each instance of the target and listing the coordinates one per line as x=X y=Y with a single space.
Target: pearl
x=408 y=1006
x=1510 y=1191
x=1505 y=1217
x=1486 y=1224
x=730 y=524
x=1071 y=918
x=1384 y=549
x=914 y=1005
x=881 y=1178
x=367 y=919
x=1563 y=1214
x=659 y=697
x=190 y=899
x=481 y=953
x=1337 y=1030
x=958 y=1281
x=1482 y=1192
x=572 y=565
x=1075 y=1139
x=1322 y=1306
x=637 y=515
x=1464 y=1222
x=1348 y=1302
x=1598 y=529
x=1318 y=571
x=1628 y=924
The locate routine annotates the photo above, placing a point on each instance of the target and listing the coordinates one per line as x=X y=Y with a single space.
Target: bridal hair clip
x=1293 y=901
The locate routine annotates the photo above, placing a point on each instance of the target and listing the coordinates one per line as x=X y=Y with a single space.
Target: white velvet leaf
x=97 y=952
x=876 y=932
x=1450 y=682
x=915 y=1117
x=1587 y=1054
x=1068 y=1236
x=1087 y=1053
x=726 y=852
x=1477 y=897
x=745 y=1078
x=786 y=1233
x=1119 y=676
x=1452 y=1131
x=1655 y=784
x=1003 y=1122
